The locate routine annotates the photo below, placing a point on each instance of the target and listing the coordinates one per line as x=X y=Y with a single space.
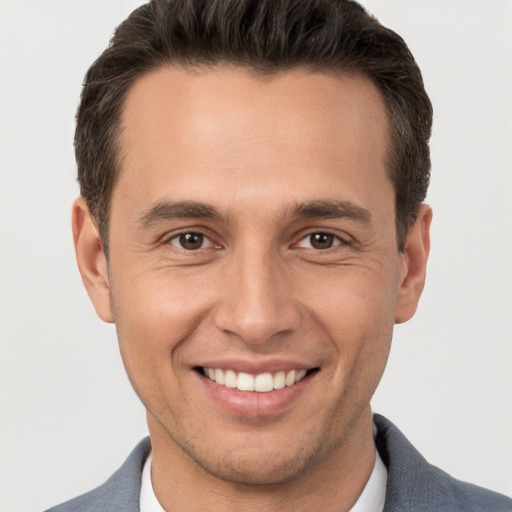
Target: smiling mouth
x=261 y=383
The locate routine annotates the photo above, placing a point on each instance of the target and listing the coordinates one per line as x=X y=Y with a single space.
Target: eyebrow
x=330 y=209
x=316 y=209
x=168 y=210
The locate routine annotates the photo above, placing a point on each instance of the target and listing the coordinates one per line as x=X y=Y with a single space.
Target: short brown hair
x=265 y=36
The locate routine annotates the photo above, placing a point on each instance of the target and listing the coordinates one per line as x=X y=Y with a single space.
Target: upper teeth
x=261 y=383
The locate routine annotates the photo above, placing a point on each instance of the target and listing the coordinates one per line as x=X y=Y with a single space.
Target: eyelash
x=199 y=233
x=336 y=240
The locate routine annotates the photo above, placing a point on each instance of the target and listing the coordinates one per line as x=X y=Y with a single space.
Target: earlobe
x=415 y=256
x=91 y=259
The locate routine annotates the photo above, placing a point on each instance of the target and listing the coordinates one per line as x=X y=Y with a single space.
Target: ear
x=91 y=259
x=414 y=266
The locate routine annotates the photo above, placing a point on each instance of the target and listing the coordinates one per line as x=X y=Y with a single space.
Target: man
x=252 y=220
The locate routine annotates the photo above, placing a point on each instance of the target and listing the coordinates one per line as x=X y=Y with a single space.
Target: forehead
x=225 y=130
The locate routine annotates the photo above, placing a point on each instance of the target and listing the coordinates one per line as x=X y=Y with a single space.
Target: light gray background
x=68 y=414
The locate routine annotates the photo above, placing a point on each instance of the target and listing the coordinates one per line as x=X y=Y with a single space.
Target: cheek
x=361 y=299
x=154 y=316
x=157 y=301
x=360 y=329
x=356 y=313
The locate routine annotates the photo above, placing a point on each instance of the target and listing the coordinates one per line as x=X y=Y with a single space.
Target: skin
x=256 y=291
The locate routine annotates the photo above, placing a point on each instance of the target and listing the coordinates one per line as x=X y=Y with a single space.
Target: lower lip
x=254 y=404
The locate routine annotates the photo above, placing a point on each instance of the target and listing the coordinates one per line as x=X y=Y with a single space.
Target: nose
x=257 y=301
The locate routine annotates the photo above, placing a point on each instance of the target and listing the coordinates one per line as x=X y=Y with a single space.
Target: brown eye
x=189 y=241
x=321 y=240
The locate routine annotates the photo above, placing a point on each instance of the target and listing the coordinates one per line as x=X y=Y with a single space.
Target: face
x=254 y=276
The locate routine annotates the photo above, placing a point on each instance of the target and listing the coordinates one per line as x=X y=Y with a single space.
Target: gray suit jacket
x=413 y=484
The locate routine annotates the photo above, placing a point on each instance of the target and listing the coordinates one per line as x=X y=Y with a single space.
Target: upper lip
x=256 y=367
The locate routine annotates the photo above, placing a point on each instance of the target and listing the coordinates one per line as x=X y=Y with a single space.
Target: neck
x=336 y=482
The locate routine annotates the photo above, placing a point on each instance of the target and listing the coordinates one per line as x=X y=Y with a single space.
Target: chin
x=252 y=465
x=255 y=471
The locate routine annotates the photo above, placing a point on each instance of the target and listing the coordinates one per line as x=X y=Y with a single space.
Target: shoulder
x=120 y=492
x=414 y=484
